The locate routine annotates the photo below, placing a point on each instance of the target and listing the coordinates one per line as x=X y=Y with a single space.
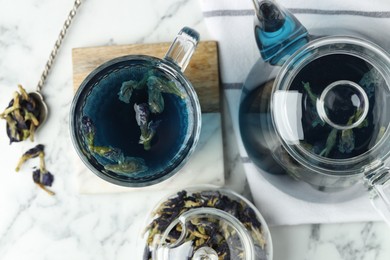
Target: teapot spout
x=278 y=32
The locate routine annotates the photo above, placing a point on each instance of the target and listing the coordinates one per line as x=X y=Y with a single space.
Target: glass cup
x=135 y=120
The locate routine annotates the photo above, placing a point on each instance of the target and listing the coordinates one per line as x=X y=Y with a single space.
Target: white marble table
x=34 y=225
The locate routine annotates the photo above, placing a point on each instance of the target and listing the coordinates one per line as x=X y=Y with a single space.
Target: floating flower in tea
x=165 y=86
x=371 y=79
x=313 y=114
x=155 y=87
x=119 y=163
x=155 y=99
x=127 y=165
x=148 y=128
x=347 y=138
x=127 y=90
x=345 y=141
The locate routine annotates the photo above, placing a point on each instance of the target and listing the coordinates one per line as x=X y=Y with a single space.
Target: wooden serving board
x=205 y=166
x=202 y=71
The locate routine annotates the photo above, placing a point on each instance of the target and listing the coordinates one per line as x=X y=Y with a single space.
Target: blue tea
x=326 y=140
x=136 y=122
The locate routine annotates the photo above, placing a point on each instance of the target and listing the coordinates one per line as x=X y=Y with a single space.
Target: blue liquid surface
x=116 y=125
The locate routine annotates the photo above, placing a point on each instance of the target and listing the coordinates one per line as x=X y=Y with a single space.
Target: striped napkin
x=231 y=23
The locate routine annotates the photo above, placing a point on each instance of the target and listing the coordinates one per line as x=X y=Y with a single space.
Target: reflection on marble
x=67 y=226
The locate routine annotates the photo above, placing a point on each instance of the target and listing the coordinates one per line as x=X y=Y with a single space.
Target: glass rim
x=164 y=66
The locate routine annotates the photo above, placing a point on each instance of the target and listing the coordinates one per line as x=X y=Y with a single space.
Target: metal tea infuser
x=35 y=108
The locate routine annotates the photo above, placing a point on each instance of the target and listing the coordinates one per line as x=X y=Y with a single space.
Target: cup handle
x=182 y=48
x=378 y=184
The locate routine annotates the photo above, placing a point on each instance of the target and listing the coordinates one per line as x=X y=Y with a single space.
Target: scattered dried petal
x=31 y=153
x=47 y=179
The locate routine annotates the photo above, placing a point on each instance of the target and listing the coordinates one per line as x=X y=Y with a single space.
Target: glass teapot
x=316 y=107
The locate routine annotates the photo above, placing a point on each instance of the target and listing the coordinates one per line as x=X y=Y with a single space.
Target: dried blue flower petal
x=35 y=151
x=165 y=86
x=44 y=178
x=330 y=143
x=313 y=98
x=141 y=114
x=88 y=129
x=105 y=151
x=113 y=154
x=47 y=179
x=151 y=131
x=129 y=165
x=37 y=176
x=370 y=80
x=148 y=129
x=127 y=90
x=347 y=141
x=31 y=153
x=13 y=132
x=312 y=113
x=205 y=232
x=40 y=176
x=155 y=99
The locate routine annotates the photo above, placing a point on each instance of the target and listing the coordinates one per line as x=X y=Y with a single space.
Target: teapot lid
x=207 y=224
x=330 y=105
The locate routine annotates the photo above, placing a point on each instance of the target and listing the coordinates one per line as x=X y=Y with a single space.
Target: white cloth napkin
x=231 y=23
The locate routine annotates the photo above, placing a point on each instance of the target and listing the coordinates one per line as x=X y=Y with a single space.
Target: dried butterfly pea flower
x=21 y=116
x=129 y=165
x=127 y=89
x=43 y=180
x=347 y=138
x=207 y=232
x=347 y=141
x=88 y=129
x=330 y=142
x=370 y=80
x=141 y=115
x=312 y=113
x=148 y=128
x=41 y=176
x=119 y=162
x=155 y=99
x=47 y=179
x=31 y=153
x=165 y=86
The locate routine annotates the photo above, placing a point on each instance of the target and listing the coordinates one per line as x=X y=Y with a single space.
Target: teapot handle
x=182 y=48
x=378 y=184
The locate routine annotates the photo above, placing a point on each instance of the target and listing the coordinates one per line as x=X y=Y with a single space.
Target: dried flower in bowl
x=210 y=223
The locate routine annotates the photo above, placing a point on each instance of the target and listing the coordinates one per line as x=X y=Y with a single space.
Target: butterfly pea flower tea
x=136 y=119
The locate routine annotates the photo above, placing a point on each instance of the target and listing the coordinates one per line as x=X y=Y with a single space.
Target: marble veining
x=67 y=226
x=349 y=247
